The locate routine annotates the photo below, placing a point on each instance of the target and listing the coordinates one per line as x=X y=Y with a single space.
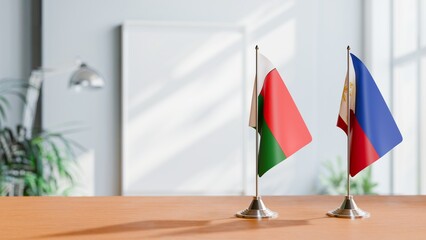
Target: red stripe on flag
x=341 y=124
x=362 y=151
x=282 y=116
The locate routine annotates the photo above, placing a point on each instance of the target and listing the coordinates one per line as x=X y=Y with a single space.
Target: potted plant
x=35 y=165
x=334 y=180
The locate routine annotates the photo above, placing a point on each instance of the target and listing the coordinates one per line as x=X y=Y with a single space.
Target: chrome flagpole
x=348 y=209
x=257 y=208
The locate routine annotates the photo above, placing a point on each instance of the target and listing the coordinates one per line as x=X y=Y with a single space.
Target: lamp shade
x=86 y=77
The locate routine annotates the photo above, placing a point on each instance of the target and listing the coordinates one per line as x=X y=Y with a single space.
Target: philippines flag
x=373 y=131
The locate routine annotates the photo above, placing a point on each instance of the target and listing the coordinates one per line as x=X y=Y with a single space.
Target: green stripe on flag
x=260 y=113
x=270 y=152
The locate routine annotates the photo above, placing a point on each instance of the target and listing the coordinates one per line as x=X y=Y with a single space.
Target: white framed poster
x=184 y=113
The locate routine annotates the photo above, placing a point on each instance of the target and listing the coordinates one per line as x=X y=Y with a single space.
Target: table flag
x=373 y=131
x=281 y=127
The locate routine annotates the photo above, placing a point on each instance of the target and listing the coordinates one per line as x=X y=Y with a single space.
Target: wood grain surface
x=300 y=217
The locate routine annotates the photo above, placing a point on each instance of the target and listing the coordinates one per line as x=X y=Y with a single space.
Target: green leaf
x=2 y=113
x=4 y=101
x=30 y=180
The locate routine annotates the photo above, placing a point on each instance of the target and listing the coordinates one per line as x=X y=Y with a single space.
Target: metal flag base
x=349 y=209
x=257 y=209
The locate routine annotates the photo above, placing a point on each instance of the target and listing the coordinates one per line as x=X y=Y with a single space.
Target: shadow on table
x=195 y=226
x=237 y=225
x=131 y=227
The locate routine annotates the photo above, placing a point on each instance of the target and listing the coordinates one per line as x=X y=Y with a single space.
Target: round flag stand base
x=257 y=209
x=349 y=209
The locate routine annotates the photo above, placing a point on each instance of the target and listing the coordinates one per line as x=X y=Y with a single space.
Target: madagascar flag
x=281 y=126
x=373 y=131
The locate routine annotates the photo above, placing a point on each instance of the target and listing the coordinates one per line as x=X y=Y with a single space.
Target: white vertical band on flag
x=263 y=69
x=343 y=113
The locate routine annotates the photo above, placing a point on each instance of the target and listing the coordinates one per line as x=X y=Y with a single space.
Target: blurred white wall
x=15 y=49
x=306 y=40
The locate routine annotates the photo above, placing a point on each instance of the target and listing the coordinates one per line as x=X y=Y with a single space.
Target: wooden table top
x=300 y=217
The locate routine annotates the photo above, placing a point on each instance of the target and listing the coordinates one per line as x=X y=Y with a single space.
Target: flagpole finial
x=257 y=47
x=349 y=48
